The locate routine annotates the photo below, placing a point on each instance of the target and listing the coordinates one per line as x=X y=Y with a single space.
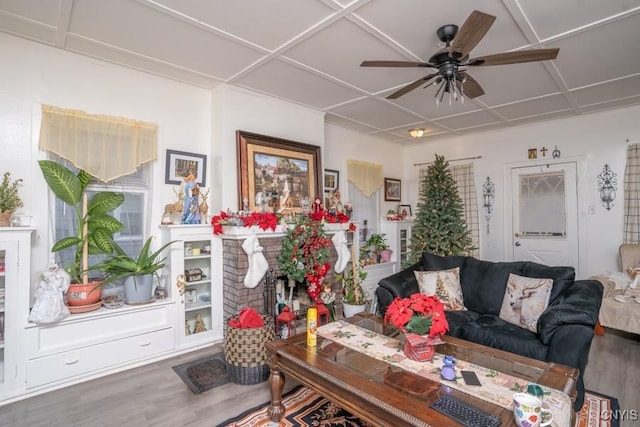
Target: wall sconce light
x=488 y=195
x=607 y=182
x=417 y=133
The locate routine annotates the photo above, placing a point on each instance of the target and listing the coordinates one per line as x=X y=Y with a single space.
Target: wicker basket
x=5 y=218
x=245 y=353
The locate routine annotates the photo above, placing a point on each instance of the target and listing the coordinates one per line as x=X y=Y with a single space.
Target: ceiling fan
x=452 y=61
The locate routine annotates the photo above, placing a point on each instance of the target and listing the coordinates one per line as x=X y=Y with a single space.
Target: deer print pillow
x=524 y=301
x=444 y=284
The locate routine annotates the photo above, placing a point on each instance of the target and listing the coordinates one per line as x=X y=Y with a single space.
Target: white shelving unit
x=15 y=258
x=197 y=256
x=398 y=234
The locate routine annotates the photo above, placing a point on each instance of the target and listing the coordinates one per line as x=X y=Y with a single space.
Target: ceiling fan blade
x=470 y=34
x=411 y=86
x=395 y=64
x=471 y=87
x=515 y=57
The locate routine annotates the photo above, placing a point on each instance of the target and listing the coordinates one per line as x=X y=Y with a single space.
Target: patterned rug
x=305 y=407
x=203 y=374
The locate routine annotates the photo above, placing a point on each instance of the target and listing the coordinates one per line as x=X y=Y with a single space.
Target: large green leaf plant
x=95 y=225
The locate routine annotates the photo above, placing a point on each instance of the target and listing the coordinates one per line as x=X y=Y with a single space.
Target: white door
x=545 y=214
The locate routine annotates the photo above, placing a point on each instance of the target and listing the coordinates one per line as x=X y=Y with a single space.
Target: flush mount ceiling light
x=417 y=133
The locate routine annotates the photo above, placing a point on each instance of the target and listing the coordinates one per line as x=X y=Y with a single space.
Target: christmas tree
x=439 y=227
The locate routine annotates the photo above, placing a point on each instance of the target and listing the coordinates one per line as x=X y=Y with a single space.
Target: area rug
x=305 y=407
x=203 y=374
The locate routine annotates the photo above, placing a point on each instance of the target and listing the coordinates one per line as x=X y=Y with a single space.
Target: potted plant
x=377 y=248
x=9 y=198
x=95 y=227
x=353 y=296
x=138 y=273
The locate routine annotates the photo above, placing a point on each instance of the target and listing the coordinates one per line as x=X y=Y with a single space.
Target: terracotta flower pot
x=80 y=294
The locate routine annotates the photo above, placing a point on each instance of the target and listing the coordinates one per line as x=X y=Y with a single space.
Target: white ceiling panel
x=534 y=107
x=569 y=14
x=144 y=31
x=269 y=24
x=287 y=81
x=622 y=88
x=338 y=51
x=468 y=120
x=45 y=12
x=375 y=113
x=309 y=52
x=603 y=53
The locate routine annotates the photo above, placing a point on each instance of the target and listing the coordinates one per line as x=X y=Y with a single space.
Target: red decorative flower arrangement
x=422 y=319
x=264 y=220
x=419 y=314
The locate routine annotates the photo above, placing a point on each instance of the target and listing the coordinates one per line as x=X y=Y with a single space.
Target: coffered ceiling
x=309 y=52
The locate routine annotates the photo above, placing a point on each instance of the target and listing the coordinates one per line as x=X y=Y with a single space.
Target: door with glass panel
x=545 y=214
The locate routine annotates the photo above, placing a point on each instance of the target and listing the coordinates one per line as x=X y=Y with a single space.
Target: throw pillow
x=525 y=299
x=445 y=284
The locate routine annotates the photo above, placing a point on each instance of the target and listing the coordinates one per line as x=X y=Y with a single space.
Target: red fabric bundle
x=248 y=318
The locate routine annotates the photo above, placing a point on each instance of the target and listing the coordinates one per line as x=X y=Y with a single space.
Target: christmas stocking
x=258 y=264
x=344 y=255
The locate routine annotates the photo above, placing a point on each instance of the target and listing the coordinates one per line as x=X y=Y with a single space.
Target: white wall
x=33 y=74
x=237 y=109
x=342 y=144
x=600 y=137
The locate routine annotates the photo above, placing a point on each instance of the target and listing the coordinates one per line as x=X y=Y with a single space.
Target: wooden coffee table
x=385 y=395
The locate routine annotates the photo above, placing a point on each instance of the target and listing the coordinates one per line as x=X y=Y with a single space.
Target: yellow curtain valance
x=107 y=147
x=367 y=177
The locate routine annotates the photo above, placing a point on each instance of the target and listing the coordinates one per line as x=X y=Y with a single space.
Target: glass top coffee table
x=383 y=394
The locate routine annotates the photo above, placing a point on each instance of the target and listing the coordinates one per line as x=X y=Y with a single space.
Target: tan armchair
x=624 y=316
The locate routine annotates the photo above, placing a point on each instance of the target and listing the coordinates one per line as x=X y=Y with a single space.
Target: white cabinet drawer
x=85 y=360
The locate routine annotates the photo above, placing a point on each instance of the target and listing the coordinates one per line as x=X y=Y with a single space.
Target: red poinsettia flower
x=424 y=311
x=264 y=220
x=217 y=222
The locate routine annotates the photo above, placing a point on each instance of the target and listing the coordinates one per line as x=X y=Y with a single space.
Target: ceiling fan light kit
x=452 y=61
x=417 y=133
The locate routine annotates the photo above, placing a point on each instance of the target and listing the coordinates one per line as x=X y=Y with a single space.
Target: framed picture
x=331 y=180
x=277 y=174
x=190 y=296
x=407 y=208
x=392 y=190
x=181 y=163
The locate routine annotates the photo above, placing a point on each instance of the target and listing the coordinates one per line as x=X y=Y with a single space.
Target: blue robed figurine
x=191 y=209
x=448 y=371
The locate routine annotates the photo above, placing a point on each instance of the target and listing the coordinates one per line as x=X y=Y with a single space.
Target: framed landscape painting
x=277 y=173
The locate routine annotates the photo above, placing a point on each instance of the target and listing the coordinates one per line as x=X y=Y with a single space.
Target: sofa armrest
x=401 y=284
x=579 y=305
x=608 y=284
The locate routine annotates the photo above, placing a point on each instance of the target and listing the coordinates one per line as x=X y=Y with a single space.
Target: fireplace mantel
x=238 y=233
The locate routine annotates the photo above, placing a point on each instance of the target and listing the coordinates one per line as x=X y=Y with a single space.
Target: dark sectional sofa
x=565 y=328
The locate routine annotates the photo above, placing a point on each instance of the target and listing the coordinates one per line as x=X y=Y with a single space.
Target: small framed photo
x=190 y=296
x=406 y=208
x=533 y=153
x=180 y=164
x=331 y=180
x=392 y=189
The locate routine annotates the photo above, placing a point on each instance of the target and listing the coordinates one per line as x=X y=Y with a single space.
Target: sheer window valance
x=107 y=147
x=367 y=177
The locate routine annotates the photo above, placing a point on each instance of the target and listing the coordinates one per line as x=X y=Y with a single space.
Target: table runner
x=497 y=387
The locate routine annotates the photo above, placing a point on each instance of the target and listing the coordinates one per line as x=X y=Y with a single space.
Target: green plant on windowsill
x=370 y=250
x=9 y=198
x=95 y=225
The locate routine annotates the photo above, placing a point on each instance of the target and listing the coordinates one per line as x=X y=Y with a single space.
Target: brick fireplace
x=235 y=265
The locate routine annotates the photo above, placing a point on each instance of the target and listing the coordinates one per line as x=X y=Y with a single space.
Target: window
x=364 y=209
x=133 y=212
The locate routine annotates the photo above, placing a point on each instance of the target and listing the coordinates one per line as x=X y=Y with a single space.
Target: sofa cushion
x=563 y=277
x=484 y=283
x=494 y=332
x=432 y=262
x=525 y=299
x=458 y=319
x=444 y=284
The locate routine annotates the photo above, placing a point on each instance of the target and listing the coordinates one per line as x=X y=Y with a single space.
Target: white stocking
x=344 y=255
x=258 y=264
